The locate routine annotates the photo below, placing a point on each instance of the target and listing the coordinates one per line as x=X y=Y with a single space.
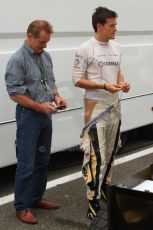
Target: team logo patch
x=77 y=63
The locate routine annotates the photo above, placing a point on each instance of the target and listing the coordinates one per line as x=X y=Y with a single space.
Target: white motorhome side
x=72 y=25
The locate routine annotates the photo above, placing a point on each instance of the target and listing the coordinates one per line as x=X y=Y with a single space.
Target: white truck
x=72 y=25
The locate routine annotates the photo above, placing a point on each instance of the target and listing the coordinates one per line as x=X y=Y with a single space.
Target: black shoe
x=94 y=207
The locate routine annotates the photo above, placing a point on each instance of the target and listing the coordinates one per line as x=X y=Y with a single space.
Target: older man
x=30 y=83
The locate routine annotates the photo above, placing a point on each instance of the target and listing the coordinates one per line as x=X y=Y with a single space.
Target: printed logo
x=108 y=63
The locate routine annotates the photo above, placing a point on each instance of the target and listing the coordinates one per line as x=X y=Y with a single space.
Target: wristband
x=105 y=88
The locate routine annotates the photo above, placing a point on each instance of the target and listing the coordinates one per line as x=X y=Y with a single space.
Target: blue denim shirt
x=23 y=75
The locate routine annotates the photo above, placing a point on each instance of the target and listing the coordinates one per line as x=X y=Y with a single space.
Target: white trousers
x=98 y=146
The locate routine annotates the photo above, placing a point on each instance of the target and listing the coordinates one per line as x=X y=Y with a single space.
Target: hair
x=37 y=26
x=101 y=15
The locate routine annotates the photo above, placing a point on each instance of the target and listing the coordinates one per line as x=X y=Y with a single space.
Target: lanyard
x=40 y=65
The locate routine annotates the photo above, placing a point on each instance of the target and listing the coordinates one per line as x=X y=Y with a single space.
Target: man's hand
x=125 y=86
x=60 y=101
x=47 y=107
x=113 y=88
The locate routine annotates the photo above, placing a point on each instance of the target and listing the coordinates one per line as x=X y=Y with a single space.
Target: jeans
x=34 y=133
